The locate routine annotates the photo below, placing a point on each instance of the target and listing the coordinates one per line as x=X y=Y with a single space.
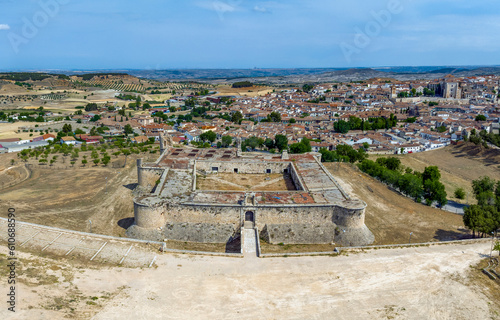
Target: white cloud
x=260 y=9
x=219 y=6
x=4 y=27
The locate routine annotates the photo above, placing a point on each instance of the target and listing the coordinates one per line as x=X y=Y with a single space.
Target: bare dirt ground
x=254 y=91
x=9 y=130
x=245 y=182
x=391 y=217
x=70 y=198
x=437 y=282
x=459 y=165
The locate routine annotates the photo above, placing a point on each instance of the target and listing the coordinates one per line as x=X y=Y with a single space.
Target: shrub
x=460 y=193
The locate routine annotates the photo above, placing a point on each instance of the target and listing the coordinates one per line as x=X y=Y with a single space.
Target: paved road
x=455 y=207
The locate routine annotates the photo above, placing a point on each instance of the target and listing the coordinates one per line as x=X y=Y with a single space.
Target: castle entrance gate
x=249 y=220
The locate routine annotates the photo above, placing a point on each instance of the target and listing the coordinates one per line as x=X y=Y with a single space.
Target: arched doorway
x=249 y=220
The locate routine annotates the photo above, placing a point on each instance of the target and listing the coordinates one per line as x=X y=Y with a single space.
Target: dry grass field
x=69 y=198
x=255 y=91
x=245 y=182
x=9 y=130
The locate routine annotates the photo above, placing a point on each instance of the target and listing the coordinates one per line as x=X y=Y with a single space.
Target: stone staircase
x=249 y=243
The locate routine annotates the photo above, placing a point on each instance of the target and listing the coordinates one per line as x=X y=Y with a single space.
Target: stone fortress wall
x=158 y=217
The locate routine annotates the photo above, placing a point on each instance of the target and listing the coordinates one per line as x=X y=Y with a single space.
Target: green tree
x=292 y=120
x=236 y=117
x=105 y=161
x=253 y=143
x=281 y=142
x=307 y=87
x=435 y=191
x=302 y=147
x=208 y=136
x=431 y=173
x=480 y=117
x=393 y=163
x=484 y=190
x=269 y=143
x=66 y=128
x=411 y=185
x=483 y=219
x=128 y=129
x=459 y=193
x=355 y=123
x=497 y=247
x=274 y=117
x=226 y=141
x=341 y=126
x=84 y=162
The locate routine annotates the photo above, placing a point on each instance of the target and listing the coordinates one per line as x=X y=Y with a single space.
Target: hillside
x=459 y=165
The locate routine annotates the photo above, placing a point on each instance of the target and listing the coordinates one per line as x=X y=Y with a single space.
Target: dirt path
x=414 y=283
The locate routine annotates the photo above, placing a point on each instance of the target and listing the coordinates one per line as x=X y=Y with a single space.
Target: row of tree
x=484 y=137
x=417 y=185
x=356 y=123
x=343 y=153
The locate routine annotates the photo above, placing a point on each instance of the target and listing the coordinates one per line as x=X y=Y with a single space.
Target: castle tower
x=393 y=92
x=238 y=147
x=162 y=143
x=139 y=172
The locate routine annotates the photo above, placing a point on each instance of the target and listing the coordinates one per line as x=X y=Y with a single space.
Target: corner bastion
x=209 y=195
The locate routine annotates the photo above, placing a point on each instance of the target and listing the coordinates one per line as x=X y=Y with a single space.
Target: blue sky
x=156 y=34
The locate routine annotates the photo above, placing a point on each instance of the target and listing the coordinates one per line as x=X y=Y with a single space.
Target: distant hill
x=289 y=76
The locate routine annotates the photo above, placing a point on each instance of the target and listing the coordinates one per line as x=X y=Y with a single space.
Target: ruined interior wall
x=295 y=177
x=243 y=167
x=148 y=178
